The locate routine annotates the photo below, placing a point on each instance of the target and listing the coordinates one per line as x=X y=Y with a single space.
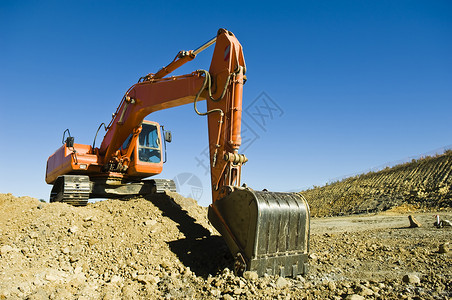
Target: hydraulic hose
x=207 y=82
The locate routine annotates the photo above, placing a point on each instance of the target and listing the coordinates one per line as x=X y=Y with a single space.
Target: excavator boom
x=266 y=232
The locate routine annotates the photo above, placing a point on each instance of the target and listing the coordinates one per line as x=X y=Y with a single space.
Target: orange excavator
x=266 y=232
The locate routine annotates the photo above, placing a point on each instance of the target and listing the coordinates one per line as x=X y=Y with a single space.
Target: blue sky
x=352 y=84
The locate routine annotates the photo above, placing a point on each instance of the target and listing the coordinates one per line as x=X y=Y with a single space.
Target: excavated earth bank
x=425 y=184
x=163 y=247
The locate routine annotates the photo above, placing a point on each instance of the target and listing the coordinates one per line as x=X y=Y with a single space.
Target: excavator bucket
x=267 y=232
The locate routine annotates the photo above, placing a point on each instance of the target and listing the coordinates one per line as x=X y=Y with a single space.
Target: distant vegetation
x=423 y=183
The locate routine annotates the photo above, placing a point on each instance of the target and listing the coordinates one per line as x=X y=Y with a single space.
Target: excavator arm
x=222 y=86
x=141 y=100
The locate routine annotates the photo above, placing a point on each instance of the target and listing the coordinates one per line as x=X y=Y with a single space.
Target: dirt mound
x=108 y=243
x=163 y=247
x=422 y=184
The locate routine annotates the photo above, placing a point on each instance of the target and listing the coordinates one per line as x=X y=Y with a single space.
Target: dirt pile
x=92 y=251
x=164 y=248
x=423 y=184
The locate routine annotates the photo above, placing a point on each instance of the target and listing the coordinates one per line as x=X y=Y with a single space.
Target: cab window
x=149 y=144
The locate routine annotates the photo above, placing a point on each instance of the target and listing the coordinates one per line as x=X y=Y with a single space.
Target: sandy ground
x=164 y=248
x=356 y=223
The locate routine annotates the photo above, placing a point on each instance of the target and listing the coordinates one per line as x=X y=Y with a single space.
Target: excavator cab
x=146 y=155
x=149 y=145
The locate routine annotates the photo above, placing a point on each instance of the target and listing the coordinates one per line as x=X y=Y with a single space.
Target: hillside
x=422 y=184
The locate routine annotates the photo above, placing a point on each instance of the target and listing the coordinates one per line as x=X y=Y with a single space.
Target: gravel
x=163 y=247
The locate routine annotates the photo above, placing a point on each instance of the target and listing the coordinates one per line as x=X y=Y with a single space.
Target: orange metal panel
x=143 y=170
x=65 y=161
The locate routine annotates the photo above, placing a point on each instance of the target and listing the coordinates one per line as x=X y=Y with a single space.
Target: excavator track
x=76 y=190
x=162 y=185
x=71 y=189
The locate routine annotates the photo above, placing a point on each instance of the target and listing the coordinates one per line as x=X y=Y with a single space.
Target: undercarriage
x=78 y=189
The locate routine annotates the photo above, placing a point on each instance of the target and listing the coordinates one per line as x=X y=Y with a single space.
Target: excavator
x=266 y=232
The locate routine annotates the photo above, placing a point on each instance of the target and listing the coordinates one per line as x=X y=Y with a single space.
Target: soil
x=163 y=247
x=424 y=184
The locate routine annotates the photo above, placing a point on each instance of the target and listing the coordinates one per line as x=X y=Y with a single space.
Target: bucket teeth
x=268 y=231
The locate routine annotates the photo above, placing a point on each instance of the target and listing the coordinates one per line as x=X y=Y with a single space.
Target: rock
x=365 y=291
x=73 y=229
x=34 y=235
x=150 y=223
x=148 y=279
x=443 y=248
x=90 y=218
x=24 y=287
x=301 y=278
x=51 y=277
x=354 y=297
x=299 y=285
x=411 y=279
x=129 y=292
x=250 y=275
x=92 y=242
x=281 y=283
x=242 y=284
x=141 y=279
x=5 y=249
x=228 y=297
x=313 y=256
x=413 y=222
x=37 y=295
x=4 y=294
x=74 y=258
x=187 y=272
x=219 y=282
x=116 y=279
x=331 y=285
x=372 y=248
x=165 y=265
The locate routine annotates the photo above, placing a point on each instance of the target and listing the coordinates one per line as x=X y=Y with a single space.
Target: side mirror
x=70 y=142
x=168 y=136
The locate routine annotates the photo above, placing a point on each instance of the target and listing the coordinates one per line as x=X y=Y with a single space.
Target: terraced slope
x=423 y=183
